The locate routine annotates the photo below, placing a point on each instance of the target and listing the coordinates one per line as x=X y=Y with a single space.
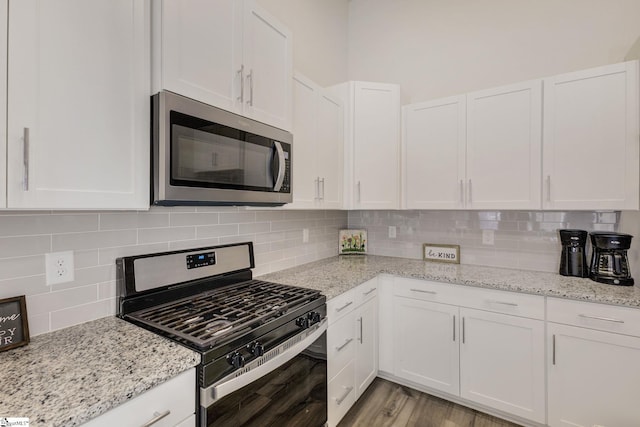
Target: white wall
x=319 y=36
x=436 y=48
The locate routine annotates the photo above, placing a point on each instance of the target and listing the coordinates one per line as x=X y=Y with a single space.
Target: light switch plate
x=392 y=231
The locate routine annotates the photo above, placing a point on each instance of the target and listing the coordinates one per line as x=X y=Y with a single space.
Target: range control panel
x=201 y=260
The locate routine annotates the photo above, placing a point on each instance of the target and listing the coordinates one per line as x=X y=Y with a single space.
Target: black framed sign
x=14 y=327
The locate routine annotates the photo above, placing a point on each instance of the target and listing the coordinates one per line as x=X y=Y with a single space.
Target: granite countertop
x=333 y=276
x=67 y=377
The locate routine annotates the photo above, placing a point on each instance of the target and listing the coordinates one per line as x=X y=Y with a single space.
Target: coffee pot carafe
x=573 y=259
x=609 y=261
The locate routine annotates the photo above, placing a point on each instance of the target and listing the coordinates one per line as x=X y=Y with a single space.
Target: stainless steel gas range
x=263 y=345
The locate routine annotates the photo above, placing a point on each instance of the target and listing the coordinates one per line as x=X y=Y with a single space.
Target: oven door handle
x=217 y=391
x=281 y=165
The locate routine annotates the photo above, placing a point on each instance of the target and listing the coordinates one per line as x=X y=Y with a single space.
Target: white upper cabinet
x=434 y=143
x=78 y=104
x=318 y=133
x=504 y=127
x=3 y=102
x=372 y=144
x=200 y=53
x=230 y=54
x=591 y=139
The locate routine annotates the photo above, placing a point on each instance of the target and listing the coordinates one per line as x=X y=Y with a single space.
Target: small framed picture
x=441 y=253
x=352 y=242
x=14 y=327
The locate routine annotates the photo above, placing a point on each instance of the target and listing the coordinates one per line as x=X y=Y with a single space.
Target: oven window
x=293 y=395
x=205 y=154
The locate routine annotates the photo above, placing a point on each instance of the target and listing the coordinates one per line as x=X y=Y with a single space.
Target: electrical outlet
x=392 y=231
x=305 y=235
x=488 y=237
x=59 y=267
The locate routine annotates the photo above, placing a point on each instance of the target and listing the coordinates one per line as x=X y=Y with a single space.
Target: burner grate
x=215 y=316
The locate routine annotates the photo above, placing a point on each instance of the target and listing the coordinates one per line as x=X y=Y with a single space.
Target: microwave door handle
x=281 y=165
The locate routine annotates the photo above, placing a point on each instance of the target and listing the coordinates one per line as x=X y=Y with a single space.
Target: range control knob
x=236 y=360
x=256 y=349
x=313 y=317
x=303 y=322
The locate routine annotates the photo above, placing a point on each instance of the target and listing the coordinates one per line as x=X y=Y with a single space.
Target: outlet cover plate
x=488 y=237
x=59 y=267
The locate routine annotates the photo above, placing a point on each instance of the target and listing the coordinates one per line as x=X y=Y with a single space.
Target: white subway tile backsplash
x=98 y=238
x=24 y=245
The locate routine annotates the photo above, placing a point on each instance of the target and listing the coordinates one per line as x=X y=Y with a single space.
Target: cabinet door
x=504 y=127
x=593 y=377
x=330 y=150
x=268 y=63
x=367 y=346
x=199 y=54
x=426 y=349
x=3 y=103
x=502 y=363
x=376 y=136
x=78 y=104
x=305 y=134
x=591 y=139
x=434 y=138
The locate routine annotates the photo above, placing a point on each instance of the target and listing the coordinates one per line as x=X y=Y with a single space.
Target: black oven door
x=288 y=388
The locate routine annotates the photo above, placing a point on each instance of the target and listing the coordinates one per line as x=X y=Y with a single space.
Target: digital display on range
x=201 y=260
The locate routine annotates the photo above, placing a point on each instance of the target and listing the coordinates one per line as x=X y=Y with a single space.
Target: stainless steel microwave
x=202 y=155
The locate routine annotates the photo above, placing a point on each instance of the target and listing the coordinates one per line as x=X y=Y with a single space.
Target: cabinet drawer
x=176 y=396
x=425 y=290
x=603 y=317
x=341 y=305
x=342 y=394
x=341 y=344
x=513 y=303
x=366 y=291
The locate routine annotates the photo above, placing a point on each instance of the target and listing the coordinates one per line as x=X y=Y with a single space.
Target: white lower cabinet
x=171 y=404
x=472 y=344
x=502 y=362
x=593 y=371
x=426 y=344
x=352 y=347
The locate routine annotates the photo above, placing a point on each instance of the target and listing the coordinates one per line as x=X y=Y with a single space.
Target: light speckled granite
x=333 y=276
x=67 y=377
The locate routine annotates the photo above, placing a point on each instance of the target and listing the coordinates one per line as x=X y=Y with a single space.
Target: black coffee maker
x=573 y=260
x=609 y=262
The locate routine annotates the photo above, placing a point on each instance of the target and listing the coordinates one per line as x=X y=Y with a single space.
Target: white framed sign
x=441 y=253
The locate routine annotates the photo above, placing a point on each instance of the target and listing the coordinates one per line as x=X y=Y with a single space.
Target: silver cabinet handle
x=250 y=78
x=322 y=194
x=423 y=291
x=317 y=182
x=454 y=328
x=606 y=319
x=469 y=190
x=346 y=343
x=369 y=291
x=463 y=330
x=461 y=192
x=25 y=159
x=241 y=74
x=553 y=346
x=344 y=306
x=360 y=339
x=157 y=417
x=493 y=301
x=548 y=188
x=359 y=194
x=340 y=400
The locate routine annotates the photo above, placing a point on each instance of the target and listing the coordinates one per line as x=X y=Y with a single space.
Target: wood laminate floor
x=386 y=404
